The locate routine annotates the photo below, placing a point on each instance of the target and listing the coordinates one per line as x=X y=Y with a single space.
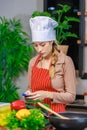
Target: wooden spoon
x=50 y=110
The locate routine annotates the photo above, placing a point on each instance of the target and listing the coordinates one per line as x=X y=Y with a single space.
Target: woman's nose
x=39 y=48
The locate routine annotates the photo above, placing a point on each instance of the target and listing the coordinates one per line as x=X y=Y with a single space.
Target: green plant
x=38 y=13
x=64 y=22
x=15 y=54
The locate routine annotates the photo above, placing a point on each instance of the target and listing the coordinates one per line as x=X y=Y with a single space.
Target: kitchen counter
x=78 y=105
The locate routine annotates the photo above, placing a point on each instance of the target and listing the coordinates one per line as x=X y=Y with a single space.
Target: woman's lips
x=41 y=54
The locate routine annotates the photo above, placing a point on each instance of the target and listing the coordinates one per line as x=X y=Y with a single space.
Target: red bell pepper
x=18 y=104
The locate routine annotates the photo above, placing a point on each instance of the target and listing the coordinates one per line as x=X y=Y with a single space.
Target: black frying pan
x=77 y=121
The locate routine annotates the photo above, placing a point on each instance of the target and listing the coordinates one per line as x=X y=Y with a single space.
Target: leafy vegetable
x=35 y=121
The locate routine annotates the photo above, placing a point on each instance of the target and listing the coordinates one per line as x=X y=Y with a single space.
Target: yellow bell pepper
x=3 y=117
x=22 y=113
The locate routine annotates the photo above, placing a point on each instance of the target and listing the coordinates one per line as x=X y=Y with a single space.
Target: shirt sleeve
x=68 y=90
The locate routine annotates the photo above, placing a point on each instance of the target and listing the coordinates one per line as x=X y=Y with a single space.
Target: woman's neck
x=48 y=57
x=45 y=63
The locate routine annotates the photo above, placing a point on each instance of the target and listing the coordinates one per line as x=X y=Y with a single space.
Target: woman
x=51 y=73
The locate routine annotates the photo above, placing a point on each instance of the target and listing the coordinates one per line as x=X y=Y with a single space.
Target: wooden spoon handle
x=50 y=110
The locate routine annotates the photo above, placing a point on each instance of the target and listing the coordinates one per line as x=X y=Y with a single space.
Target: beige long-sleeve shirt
x=63 y=81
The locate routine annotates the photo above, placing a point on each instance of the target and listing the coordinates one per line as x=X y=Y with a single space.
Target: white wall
x=11 y=8
x=23 y=9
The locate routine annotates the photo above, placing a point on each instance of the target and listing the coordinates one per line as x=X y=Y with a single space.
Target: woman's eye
x=43 y=45
x=35 y=45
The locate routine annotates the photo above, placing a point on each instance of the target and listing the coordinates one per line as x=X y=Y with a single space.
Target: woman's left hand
x=41 y=95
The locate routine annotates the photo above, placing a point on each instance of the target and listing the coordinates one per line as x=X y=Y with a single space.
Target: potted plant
x=15 y=54
x=64 y=22
x=64 y=25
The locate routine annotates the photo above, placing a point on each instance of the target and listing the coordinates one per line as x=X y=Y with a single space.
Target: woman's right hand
x=29 y=95
x=28 y=92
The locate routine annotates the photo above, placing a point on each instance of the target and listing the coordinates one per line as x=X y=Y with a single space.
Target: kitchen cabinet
x=83 y=35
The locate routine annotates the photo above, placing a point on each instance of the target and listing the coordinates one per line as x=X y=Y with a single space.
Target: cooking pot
x=76 y=121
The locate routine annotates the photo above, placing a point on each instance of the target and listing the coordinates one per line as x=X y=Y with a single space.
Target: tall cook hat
x=42 y=28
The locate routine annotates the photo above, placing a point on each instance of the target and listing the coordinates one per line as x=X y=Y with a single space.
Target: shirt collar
x=61 y=57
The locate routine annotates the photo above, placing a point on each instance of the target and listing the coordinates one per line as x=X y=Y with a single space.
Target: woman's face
x=43 y=48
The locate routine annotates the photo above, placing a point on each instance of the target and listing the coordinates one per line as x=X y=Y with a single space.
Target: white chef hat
x=42 y=28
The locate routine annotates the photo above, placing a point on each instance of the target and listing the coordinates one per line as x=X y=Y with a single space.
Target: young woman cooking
x=51 y=73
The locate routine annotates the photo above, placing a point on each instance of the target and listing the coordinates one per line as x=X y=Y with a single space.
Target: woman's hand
x=27 y=94
x=40 y=95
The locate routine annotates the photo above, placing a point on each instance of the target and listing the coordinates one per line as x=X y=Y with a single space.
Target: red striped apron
x=41 y=81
